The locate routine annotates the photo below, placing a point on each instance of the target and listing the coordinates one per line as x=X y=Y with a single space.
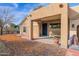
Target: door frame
x=42 y=30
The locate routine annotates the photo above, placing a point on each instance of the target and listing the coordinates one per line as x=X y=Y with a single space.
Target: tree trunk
x=1 y=30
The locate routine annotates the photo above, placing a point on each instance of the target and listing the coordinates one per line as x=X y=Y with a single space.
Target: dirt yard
x=10 y=37
x=13 y=45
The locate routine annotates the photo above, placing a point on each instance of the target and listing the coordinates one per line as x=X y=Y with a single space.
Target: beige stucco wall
x=50 y=10
x=25 y=24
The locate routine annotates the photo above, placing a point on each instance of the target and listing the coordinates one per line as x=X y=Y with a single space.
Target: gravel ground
x=32 y=48
x=29 y=48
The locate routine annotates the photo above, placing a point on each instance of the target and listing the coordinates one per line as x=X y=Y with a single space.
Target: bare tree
x=1 y=26
x=6 y=17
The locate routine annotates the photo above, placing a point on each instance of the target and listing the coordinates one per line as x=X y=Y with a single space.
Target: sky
x=21 y=10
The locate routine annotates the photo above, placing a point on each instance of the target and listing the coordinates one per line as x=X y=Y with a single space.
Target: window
x=24 y=29
x=73 y=26
x=55 y=25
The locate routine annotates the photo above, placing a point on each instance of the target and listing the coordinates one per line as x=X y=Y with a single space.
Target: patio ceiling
x=73 y=14
x=75 y=17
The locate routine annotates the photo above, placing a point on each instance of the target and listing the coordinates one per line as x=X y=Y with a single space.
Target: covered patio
x=48 y=27
x=50 y=21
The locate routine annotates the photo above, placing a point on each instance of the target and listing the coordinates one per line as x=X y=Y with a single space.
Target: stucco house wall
x=72 y=12
x=26 y=25
x=51 y=12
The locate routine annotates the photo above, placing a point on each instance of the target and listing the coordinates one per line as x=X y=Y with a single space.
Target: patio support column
x=40 y=28
x=30 y=29
x=64 y=27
